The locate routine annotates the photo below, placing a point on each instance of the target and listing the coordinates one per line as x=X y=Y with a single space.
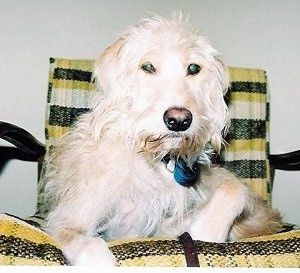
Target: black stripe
x=246 y=129
x=21 y=248
x=268 y=111
x=72 y=74
x=49 y=92
x=30 y=222
x=247 y=168
x=46 y=131
x=161 y=248
x=258 y=248
x=249 y=87
x=64 y=116
x=146 y=249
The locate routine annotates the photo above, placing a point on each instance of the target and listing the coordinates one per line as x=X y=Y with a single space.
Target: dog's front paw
x=86 y=250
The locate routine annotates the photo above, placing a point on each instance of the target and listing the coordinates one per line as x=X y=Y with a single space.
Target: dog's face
x=167 y=83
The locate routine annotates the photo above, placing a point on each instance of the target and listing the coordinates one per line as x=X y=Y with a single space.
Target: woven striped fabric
x=24 y=244
x=71 y=89
x=281 y=250
x=69 y=95
x=247 y=150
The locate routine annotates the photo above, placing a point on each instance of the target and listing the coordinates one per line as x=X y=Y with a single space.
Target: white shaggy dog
x=137 y=165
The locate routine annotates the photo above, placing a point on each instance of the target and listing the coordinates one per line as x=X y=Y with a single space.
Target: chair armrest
x=287 y=161
x=27 y=147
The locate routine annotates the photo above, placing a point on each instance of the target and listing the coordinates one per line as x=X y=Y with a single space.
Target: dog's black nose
x=178 y=119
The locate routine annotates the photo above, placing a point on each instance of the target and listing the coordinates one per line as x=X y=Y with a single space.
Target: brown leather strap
x=189 y=248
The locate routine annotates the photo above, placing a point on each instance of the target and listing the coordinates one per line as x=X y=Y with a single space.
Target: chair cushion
x=279 y=250
x=24 y=244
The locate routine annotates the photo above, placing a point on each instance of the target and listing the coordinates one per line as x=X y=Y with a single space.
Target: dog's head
x=166 y=84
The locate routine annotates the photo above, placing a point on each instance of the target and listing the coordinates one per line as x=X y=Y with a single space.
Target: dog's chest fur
x=147 y=207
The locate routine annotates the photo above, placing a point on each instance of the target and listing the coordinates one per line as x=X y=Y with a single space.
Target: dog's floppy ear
x=217 y=100
x=107 y=66
x=222 y=73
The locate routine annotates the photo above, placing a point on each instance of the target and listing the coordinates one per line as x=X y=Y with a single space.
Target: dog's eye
x=193 y=69
x=148 y=67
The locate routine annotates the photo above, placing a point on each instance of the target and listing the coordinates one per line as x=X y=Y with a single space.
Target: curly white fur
x=105 y=180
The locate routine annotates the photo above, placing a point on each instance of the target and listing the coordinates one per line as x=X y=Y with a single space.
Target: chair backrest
x=71 y=88
x=247 y=151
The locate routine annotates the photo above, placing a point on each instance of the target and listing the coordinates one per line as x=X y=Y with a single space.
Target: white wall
x=262 y=34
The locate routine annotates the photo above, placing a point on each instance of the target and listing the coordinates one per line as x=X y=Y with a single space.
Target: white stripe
x=248 y=110
x=245 y=155
x=71 y=98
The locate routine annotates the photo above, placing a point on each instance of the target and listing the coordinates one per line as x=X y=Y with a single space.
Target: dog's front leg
x=213 y=221
x=82 y=249
x=74 y=230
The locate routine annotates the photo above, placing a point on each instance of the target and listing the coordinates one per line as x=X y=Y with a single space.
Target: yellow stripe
x=273 y=260
x=255 y=144
x=11 y=260
x=276 y=236
x=23 y=231
x=279 y=260
x=57 y=131
x=286 y=260
x=71 y=84
x=155 y=260
x=249 y=97
x=85 y=65
x=137 y=240
x=247 y=74
x=240 y=261
x=258 y=186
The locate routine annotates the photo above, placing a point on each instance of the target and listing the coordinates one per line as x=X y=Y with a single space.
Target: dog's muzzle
x=178 y=119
